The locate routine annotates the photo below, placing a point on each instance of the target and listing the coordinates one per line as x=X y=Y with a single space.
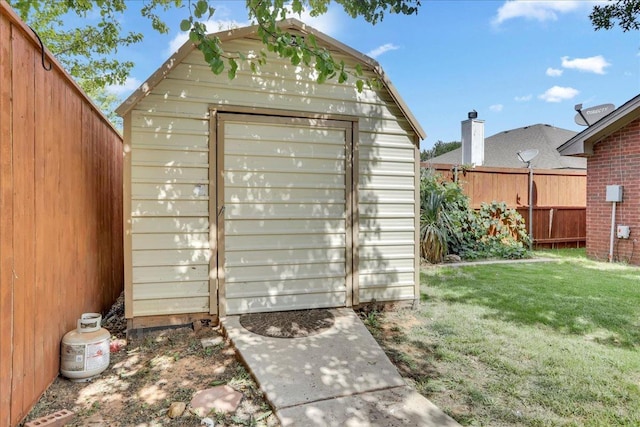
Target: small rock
x=452 y=258
x=211 y=342
x=208 y=422
x=221 y=399
x=197 y=325
x=116 y=345
x=176 y=409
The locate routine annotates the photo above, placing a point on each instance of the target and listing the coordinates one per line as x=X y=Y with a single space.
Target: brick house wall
x=615 y=161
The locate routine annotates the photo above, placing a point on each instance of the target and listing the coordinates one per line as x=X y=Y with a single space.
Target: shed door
x=283 y=207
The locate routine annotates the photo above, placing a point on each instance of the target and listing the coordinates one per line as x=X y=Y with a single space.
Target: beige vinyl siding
x=169 y=215
x=285 y=215
x=170 y=223
x=387 y=219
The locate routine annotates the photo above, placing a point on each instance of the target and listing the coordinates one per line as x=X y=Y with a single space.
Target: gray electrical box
x=614 y=193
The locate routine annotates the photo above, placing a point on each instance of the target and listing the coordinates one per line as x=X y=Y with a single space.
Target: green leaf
x=306 y=57
x=201 y=8
x=217 y=65
x=233 y=67
x=185 y=25
x=295 y=59
x=312 y=40
x=296 y=7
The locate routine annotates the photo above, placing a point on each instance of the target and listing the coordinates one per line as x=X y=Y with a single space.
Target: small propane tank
x=84 y=352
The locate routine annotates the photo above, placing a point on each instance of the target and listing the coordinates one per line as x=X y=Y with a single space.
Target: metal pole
x=530 y=207
x=613 y=226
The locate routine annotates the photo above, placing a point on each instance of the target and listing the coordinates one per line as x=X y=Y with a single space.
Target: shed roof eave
x=145 y=88
x=288 y=24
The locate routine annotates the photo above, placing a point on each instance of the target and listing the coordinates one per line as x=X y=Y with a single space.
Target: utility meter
x=623 y=232
x=614 y=193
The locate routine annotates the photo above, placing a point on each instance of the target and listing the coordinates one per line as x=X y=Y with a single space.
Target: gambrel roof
x=292 y=25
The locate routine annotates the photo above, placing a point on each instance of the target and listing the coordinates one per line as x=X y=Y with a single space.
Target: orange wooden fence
x=60 y=215
x=559 y=198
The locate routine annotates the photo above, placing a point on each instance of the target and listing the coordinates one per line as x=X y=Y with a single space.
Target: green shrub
x=497 y=232
x=448 y=225
x=434 y=225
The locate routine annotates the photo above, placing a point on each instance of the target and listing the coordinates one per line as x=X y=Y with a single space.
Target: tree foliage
x=438 y=149
x=89 y=53
x=623 y=12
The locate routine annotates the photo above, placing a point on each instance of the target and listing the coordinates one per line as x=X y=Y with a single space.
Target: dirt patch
x=147 y=374
x=288 y=324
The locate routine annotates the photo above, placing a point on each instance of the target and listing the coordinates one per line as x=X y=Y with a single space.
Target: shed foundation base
x=137 y=325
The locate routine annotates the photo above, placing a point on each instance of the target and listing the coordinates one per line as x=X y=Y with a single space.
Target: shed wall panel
x=171 y=305
x=150 y=258
x=280 y=226
x=284 y=256
x=169 y=215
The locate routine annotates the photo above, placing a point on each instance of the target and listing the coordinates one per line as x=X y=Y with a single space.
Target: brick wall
x=615 y=161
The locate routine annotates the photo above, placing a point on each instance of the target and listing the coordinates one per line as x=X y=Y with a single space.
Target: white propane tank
x=84 y=352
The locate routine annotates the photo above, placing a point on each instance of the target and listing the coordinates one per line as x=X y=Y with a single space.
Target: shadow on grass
x=603 y=306
x=415 y=359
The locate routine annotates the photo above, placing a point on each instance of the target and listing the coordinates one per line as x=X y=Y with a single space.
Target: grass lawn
x=526 y=344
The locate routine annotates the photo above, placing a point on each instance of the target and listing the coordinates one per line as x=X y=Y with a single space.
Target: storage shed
x=269 y=192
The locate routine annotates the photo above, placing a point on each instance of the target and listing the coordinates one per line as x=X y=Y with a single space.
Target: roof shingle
x=500 y=149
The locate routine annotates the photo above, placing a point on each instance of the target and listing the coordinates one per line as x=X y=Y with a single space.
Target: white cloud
x=554 y=72
x=559 y=94
x=382 y=49
x=328 y=23
x=129 y=85
x=538 y=10
x=496 y=108
x=524 y=98
x=593 y=64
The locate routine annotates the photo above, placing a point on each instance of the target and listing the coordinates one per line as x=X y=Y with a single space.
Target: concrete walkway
x=340 y=377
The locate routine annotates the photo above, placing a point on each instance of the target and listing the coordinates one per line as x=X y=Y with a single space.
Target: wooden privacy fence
x=60 y=214
x=559 y=198
x=557 y=226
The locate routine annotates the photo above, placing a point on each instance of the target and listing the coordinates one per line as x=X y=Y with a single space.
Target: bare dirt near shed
x=150 y=373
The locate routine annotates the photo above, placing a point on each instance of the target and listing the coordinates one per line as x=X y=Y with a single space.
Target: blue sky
x=517 y=63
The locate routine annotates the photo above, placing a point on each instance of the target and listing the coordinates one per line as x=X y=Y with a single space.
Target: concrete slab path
x=340 y=377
